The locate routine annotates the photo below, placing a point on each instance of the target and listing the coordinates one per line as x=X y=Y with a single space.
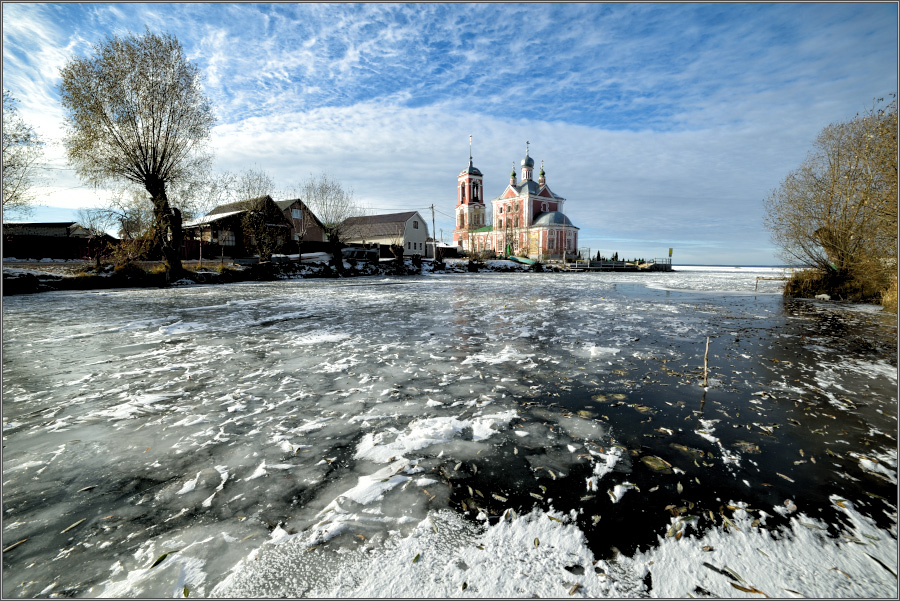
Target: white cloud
x=662 y=124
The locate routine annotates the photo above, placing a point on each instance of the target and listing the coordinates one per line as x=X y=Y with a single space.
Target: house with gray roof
x=406 y=229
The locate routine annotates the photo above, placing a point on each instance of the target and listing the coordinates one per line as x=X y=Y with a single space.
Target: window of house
x=296 y=213
x=226 y=238
x=415 y=225
x=407 y=246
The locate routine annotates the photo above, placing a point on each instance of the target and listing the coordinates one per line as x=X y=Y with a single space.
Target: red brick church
x=526 y=219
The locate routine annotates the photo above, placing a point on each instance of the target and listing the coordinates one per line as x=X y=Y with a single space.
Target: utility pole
x=433 y=232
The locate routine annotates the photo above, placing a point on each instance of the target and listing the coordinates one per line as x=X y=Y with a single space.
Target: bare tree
x=135 y=110
x=838 y=211
x=21 y=150
x=96 y=222
x=333 y=205
x=261 y=220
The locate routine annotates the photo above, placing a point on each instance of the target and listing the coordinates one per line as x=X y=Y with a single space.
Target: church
x=526 y=219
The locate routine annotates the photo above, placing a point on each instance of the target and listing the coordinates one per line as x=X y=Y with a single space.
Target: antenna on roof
x=470 y=148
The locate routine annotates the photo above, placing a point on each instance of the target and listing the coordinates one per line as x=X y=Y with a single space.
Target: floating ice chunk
x=507 y=354
x=619 y=490
x=260 y=471
x=189 y=485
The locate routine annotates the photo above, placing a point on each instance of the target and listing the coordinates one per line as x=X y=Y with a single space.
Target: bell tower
x=469 y=204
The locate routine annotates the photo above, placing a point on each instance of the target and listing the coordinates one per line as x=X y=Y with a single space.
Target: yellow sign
x=670 y=252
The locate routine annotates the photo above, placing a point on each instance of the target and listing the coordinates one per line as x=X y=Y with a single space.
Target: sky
x=663 y=125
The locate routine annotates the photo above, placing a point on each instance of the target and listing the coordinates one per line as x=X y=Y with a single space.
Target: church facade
x=525 y=220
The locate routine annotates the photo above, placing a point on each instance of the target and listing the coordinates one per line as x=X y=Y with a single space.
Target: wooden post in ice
x=705 y=361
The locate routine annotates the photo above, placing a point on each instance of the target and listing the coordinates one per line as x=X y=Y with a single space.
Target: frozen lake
x=450 y=435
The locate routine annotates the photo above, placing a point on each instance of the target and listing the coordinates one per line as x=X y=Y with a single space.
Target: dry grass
x=889 y=297
x=865 y=287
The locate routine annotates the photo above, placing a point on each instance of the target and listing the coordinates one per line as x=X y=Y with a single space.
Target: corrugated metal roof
x=39 y=224
x=240 y=205
x=384 y=218
x=212 y=218
x=388 y=225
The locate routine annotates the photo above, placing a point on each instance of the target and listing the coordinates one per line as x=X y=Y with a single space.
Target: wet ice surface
x=484 y=434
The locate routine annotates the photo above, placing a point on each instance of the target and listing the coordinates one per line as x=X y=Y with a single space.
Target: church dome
x=528 y=161
x=552 y=218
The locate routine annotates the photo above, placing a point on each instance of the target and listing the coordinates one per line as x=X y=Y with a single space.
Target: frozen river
x=450 y=435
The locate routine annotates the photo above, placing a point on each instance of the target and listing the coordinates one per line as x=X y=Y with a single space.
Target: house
x=526 y=218
x=56 y=229
x=407 y=229
x=256 y=226
x=47 y=240
x=306 y=226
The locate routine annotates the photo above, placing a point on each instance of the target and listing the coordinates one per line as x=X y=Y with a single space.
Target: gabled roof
x=284 y=205
x=378 y=226
x=384 y=218
x=212 y=218
x=528 y=187
x=39 y=224
x=240 y=205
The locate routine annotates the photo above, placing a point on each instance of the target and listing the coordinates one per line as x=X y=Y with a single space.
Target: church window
x=501 y=209
x=517 y=221
x=544 y=206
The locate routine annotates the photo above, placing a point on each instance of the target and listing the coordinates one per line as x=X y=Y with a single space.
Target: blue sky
x=664 y=125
